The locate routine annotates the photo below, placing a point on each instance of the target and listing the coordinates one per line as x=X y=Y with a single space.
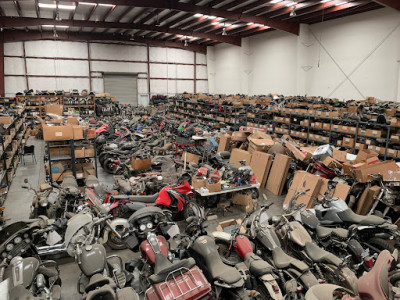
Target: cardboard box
x=230 y=226
x=364 y=204
x=297 y=153
x=79 y=152
x=89 y=151
x=78 y=132
x=90 y=133
x=260 y=145
x=261 y=164
x=332 y=163
x=341 y=191
x=224 y=143
x=190 y=157
x=385 y=168
x=213 y=187
x=363 y=155
x=323 y=151
x=6 y=119
x=238 y=155
x=348 y=142
x=139 y=164
x=240 y=136
x=303 y=181
x=72 y=121
x=277 y=176
x=64 y=151
x=57 y=133
x=340 y=156
x=56 y=109
x=198 y=182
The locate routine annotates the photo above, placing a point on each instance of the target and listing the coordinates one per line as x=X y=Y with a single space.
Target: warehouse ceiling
x=191 y=24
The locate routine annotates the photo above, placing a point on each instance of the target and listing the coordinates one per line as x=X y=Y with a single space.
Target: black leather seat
x=349 y=216
x=163 y=267
x=257 y=266
x=320 y=255
x=141 y=198
x=282 y=260
x=323 y=232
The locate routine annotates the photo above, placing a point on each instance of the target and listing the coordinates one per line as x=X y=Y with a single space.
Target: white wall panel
x=143 y=87
x=158 y=71
x=57 y=67
x=72 y=83
x=158 y=54
x=171 y=86
x=158 y=86
x=180 y=56
x=172 y=71
x=56 y=49
x=184 y=86
x=201 y=86
x=14 y=65
x=118 y=52
x=14 y=85
x=97 y=85
x=201 y=58
x=201 y=72
x=43 y=83
x=41 y=66
x=13 y=49
x=102 y=66
x=185 y=71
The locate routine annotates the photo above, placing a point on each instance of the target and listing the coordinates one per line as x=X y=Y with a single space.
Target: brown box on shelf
x=56 y=109
x=54 y=152
x=348 y=142
x=360 y=146
x=375 y=133
x=326 y=126
x=89 y=151
x=64 y=151
x=336 y=127
x=90 y=133
x=277 y=177
x=139 y=164
x=318 y=125
x=385 y=168
x=198 y=182
x=56 y=133
x=79 y=152
x=352 y=129
x=6 y=119
x=213 y=187
x=78 y=132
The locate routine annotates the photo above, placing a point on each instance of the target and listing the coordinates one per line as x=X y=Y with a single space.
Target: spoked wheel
x=110 y=167
x=228 y=254
x=192 y=209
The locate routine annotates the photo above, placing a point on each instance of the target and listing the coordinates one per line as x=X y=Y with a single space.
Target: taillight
x=369 y=262
x=299 y=290
x=275 y=288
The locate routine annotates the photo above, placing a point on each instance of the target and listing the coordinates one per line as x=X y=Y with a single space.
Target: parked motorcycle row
x=327 y=252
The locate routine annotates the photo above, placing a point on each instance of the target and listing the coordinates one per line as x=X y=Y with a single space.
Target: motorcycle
x=226 y=280
x=373 y=285
x=262 y=275
x=29 y=278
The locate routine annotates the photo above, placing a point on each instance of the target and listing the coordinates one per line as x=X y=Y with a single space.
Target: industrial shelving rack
x=35 y=104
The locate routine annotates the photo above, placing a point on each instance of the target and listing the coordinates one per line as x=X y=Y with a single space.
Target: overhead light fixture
x=198 y=15
x=224 y=31
x=158 y=24
x=324 y=1
x=58 y=26
x=250 y=23
x=276 y=1
x=58 y=18
x=103 y=4
x=185 y=44
x=341 y=3
x=291 y=3
x=215 y=23
x=293 y=12
x=87 y=3
x=60 y=6
x=211 y=17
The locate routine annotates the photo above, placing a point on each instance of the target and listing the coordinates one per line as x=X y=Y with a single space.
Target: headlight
x=142 y=227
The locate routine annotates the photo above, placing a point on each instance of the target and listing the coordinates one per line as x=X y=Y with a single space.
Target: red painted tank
x=148 y=252
x=243 y=246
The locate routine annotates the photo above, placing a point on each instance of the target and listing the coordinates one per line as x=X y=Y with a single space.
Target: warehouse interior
x=200 y=149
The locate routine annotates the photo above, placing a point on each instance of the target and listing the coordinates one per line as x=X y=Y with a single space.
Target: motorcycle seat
x=221 y=272
x=104 y=292
x=257 y=265
x=282 y=260
x=98 y=280
x=320 y=255
x=349 y=216
x=323 y=232
x=163 y=267
x=138 y=198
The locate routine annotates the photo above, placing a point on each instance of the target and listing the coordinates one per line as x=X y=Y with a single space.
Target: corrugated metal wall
x=56 y=65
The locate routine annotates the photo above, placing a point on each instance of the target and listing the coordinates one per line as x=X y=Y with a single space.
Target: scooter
x=373 y=285
x=226 y=280
x=29 y=278
x=261 y=271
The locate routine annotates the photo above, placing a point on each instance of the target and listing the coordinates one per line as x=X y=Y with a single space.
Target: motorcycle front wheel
x=114 y=242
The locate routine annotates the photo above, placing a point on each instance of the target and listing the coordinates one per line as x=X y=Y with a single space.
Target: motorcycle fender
x=114 y=205
x=113 y=225
x=355 y=247
x=350 y=278
x=269 y=283
x=222 y=236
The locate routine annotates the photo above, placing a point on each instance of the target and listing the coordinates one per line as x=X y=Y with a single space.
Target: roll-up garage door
x=122 y=86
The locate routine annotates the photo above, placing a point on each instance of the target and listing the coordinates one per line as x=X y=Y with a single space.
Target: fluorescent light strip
x=324 y=1
x=291 y=3
x=276 y=1
x=60 y=6
x=341 y=3
x=198 y=15
x=58 y=26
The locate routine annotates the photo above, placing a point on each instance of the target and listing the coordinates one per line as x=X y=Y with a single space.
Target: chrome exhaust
x=51 y=250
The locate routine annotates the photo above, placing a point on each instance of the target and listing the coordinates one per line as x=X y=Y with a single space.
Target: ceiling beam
x=390 y=3
x=108 y=13
x=16 y=36
x=151 y=15
x=10 y=22
x=193 y=9
x=37 y=9
x=18 y=8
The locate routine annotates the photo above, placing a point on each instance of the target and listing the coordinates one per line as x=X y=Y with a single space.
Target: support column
x=194 y=75
x=148 y=69
x=90 y=67
x=26 y=67
x=2 y=87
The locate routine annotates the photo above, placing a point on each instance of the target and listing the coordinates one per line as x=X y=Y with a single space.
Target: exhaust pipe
x=51 y=250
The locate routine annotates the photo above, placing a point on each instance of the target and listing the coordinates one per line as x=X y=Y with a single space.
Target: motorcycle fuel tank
x=22 y=271
x=267 y=237
x=298 y=234
x=153 y=245
x=243 y=246
x=93 y=259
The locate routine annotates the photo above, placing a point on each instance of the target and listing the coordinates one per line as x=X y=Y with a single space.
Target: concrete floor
x=18 y=202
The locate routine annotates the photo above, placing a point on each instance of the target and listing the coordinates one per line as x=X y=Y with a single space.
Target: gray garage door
x=123 y=87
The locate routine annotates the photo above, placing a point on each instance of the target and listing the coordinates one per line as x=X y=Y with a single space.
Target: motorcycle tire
x=381 y=244
x=395 y=280
x=109 y=168
x=115 y=243
x=193 y=209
